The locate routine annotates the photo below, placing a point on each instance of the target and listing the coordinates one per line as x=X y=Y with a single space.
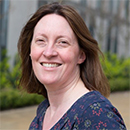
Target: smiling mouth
x=50 y=65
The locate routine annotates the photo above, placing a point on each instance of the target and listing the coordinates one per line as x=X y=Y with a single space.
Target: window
x=110 y=5
x=4 y=6
x=42 y=2
x=127 y=9
x=116 y=40
x=108 y=47
x=98 y=4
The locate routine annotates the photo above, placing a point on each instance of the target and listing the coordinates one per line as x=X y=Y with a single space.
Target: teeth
x=49 y=65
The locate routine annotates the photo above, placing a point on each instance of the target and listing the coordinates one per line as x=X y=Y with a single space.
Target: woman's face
x=55 y=52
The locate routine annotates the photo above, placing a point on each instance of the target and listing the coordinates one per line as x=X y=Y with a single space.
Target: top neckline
x=60 y=121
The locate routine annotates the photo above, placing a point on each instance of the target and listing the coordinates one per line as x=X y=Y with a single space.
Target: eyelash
x=40 y=40
x=64 y=42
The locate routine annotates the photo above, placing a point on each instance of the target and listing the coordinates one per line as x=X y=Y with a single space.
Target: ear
x=82 y=57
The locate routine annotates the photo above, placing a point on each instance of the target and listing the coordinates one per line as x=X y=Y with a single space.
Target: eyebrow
x=62 y=36
x=59 y=36
x=40 y=34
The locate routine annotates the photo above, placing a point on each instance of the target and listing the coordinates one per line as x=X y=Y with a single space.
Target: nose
x=50 y=52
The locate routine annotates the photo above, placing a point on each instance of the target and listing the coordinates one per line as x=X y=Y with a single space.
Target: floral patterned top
x=90 y=112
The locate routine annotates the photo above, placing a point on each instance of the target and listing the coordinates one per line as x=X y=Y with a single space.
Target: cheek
x=71 y=57
x=35 y=53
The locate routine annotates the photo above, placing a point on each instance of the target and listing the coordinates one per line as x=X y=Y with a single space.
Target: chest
x=49 y=121
x=58 y=122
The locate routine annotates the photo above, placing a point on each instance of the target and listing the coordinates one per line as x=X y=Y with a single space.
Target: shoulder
x=37 y=121
x=98 y=112
x=97 y=105
x=91 y=100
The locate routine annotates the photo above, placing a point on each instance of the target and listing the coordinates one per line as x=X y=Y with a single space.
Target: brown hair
x=90 y=70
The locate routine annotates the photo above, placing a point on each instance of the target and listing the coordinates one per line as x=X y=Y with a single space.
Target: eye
x=39 y=40
x=63 y=42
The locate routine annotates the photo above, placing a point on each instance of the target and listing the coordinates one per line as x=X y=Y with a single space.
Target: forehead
x=55 y=23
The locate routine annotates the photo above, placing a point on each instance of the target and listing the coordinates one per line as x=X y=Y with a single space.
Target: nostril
x=50 y=53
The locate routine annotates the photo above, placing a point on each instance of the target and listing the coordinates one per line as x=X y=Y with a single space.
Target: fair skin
x=56 y=57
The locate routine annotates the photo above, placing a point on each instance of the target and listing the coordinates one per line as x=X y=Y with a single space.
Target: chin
x=48 y=83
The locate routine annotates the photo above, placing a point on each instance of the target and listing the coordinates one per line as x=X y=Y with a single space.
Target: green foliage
x=115 y=67
x=4 y=71
x=9 y=77
x=119 y=84
x=13 y=98
x=117 y=71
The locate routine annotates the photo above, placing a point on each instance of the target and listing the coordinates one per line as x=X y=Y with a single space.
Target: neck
x=66 y=95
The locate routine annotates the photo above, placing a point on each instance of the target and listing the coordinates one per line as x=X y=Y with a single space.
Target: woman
x=60 y=61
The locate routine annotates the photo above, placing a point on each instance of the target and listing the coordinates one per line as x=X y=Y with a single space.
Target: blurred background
x=108 y=22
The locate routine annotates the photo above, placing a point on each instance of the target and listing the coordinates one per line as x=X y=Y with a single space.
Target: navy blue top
x=91 y=111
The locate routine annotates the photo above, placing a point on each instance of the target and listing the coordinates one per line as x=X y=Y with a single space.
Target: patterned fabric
x=91 y=112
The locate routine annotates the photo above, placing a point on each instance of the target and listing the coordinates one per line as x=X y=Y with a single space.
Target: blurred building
x=107 y=20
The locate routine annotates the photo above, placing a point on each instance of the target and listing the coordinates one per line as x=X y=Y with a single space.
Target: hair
x=91 y=71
